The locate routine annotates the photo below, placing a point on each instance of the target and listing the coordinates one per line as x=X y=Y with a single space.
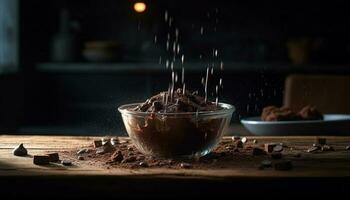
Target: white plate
x=332 y=124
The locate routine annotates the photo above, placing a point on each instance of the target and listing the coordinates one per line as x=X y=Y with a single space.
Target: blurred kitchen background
x=65 y=66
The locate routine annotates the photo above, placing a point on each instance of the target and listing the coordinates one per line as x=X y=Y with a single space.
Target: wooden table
x=321 y=174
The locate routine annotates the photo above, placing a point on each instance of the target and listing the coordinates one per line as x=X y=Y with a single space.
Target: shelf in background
x=143 y=67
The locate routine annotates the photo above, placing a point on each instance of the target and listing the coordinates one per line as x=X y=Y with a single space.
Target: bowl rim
x=228 y=109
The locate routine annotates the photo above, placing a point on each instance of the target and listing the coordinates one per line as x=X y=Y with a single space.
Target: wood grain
x=330 y=164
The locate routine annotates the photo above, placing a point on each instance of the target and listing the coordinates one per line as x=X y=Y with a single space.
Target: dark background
x=78 y=96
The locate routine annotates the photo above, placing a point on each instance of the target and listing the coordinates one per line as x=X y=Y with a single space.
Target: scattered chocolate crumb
x=53 y=157
x=20 y=150
x=276 y=155
x=81 y=158
x=41 y=160
x=283 y=165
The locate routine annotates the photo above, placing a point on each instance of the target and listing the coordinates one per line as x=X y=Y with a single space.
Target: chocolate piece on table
x=97 y=143
x=20 y=150
x=66 y=162
x=312 y=149
x=258 y=152
x=327 y=148
x=53 y=157
x=117 y=156
x=283 y=165
x=269 y=147
x=41 y=159
x=278 y=148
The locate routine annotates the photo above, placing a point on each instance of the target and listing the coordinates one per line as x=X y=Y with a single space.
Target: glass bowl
x=184 y=134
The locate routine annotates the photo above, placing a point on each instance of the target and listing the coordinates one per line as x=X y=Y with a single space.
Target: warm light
x=140 y=7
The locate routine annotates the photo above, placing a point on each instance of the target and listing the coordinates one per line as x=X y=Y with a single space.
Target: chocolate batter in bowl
x=176 y=134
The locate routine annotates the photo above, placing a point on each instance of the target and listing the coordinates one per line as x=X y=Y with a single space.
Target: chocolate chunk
x=53 y=157
x=269 y=147
x=129 y=159
x=81 y=158
x=347 y=147
x=239 y=144
x=117 y=156
x=185 y=165
x=266 y=163
x=66 y=162
x=277 y=148
x=100 y=150
x=276 y=155
x=97 y=143
x=143 y=164
x=312 y=149
x=327 y=148
x=255 y=141
x=20 y=151
x=321 y=141
x=41 y=160
x=283 y=165
x=105 y=148
x=257 y=152
x=244 y=140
